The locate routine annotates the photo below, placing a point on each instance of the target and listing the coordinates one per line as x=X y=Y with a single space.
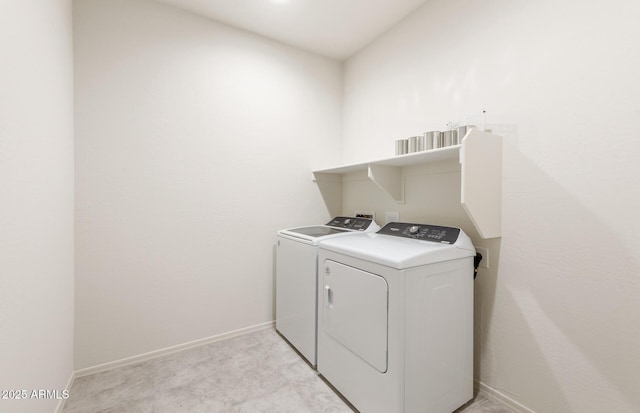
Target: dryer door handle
x=329 y=295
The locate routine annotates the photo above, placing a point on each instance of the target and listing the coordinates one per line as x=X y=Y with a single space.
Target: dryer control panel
x=434 y=233
x=357 y=224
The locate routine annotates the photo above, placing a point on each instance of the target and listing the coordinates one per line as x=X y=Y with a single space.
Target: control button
x=414 y=229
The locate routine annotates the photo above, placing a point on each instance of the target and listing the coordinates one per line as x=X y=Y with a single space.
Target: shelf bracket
x=330 y=186
x=389 y=179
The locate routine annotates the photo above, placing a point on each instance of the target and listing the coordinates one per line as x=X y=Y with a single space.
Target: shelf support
x=389 y=179
x=330 y=186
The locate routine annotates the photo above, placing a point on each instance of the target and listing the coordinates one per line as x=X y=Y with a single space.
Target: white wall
x=36 y=200
x=195 y=143
x=558 y=325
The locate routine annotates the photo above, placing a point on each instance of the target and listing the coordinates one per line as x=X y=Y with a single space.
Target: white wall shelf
x=480 y=160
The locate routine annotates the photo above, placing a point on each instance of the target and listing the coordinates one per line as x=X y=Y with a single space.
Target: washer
x=395 y=318
x=296 y=278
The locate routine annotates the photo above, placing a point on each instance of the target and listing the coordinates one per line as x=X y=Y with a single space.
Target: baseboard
x=61 y=403
x=500 y=397
x=170 y=350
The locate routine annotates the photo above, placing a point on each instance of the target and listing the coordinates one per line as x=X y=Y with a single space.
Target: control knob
x=347 y=221
x=414 y=229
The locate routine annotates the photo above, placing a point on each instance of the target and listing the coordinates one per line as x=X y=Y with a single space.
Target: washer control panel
x=435 y=233
x=358 y=224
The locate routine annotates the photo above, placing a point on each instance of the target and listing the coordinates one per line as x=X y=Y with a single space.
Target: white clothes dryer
x=297 y=278
x=395 y=318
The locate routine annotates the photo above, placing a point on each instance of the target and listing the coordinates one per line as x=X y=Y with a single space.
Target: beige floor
x=257 y=372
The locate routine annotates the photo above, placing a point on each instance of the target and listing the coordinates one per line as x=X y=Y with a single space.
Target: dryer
x=296 y=278
x=395 y=318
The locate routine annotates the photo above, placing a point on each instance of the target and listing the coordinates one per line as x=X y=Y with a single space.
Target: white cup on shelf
x=402 y=146
x=432 y=140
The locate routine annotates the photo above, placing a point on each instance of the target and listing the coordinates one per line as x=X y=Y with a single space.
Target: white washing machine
x=297 y=279
x=395 y=318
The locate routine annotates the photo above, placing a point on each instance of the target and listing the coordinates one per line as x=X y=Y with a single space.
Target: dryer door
x=355 y=311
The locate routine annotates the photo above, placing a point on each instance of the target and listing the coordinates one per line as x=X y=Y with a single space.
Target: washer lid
x=399 y=252
x=337 y=226
x=313 y=232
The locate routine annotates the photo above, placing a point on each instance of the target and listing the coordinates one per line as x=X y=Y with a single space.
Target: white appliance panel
x=355 y=312
x=296 y=264
x=439 y=331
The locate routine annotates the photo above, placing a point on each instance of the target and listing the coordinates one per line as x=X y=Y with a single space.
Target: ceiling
x=333 y=28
